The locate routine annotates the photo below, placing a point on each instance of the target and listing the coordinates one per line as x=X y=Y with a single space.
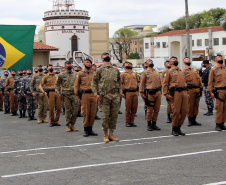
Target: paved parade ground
x=37 y=154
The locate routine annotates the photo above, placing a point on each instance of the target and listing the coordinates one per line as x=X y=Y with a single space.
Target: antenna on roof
x=59 y=5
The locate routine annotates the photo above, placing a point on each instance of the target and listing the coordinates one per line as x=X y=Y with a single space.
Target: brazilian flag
x=16 y=46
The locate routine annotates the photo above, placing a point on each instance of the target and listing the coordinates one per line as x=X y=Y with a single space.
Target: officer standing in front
x=130 y=91
x=66 y=81
x=40 y=97
x=6 y=96
x=169 y=109
x=88 y=100
x=195 y=89
x=217 y=88
x=175 y=89
x=30 y=100
x=9 y=89
x=152 y=97
x=205 y=79
x=49 y=81
x=108 y=78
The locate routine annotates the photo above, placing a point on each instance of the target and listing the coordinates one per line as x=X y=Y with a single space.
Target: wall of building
x=41 y=58
x=98 y=39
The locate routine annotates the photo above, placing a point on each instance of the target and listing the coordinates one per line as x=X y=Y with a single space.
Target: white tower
x=66 y=29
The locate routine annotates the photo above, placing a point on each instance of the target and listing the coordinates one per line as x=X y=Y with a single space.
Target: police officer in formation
x=49 y=81
x=17 y=89
x=5 y=94
x=182 y=89
x=64 y=87
x=205 y=79
x=108 y=79
x=195 y=90
x=40 y=96
x=30 y=99
x=130 y=91
x=152 y=96
x=87 y=99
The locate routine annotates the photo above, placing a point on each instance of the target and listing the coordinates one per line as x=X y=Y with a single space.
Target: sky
x=118 y=13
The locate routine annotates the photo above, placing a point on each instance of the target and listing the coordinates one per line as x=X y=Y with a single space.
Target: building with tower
x=67 y=29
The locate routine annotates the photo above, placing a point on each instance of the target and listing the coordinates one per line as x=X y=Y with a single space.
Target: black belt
x=51 y=90
x=181 y=89
x=9 y=89
x=194 y=87
x=220 y=88
x=131 y=90
x=153 y=91
x=86 y=91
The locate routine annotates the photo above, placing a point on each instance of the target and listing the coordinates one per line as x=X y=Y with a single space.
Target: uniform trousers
x=131 y=102
x=220 y=115
x=54 y=100
x=193 y=103
x=13 y=102
x=154 y=107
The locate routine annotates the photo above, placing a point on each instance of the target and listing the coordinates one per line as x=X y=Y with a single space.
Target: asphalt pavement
x=36 y=154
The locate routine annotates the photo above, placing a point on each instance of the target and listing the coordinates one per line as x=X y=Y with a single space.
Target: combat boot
x=223 y=127
x=21 y=114
x=209 y=112
x=16 y=114
x=149 y=127
x=24 y=114
x=106 y=139
x=68 y=129
x=179 y=131
x=73 y=128
x=91 y=132
x=175 y=131
x=33 y=117
x=29 y=117
x=63 y=111
x=154 y=127
x=13 y=113
x=111 y=136
x=79 y=114
x=6 y=111
x=195 y=122
x=39 y=121
x=218 y=127
x=190 y=122
x=86 y=132
x=169 y=120
x=44 y=121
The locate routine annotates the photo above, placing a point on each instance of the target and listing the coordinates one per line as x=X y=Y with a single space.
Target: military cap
x=87 y=59
x=50 y=65
x=105 y=53
x=39 y=65
x=206 y=61
x=128 y=62
x=68 y=62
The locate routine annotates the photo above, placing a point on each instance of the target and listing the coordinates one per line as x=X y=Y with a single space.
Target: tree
x=164 y=29
x=122 y=38
x=224 y=25
x=151 y=34
x=133 y=56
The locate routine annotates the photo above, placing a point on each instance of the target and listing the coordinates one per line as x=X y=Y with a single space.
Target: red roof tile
x=40 y=46
x=192 y=31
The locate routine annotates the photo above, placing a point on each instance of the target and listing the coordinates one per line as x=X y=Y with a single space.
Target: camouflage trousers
x=31 y=104
x=208 y=98
x=110 y=108
x=71 y=105
x=22 y=103
x=6 y=101
x=42 y=106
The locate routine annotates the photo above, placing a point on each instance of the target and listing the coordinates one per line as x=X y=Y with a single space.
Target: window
x=146 y=46
x=199 y=42
x=206 y=42
x=224 y=41
x=135 y=50
x=216 y=41
x=157 y=44
x=135 y=42
x=141 y=49
x=164 y=45
x=193 y=43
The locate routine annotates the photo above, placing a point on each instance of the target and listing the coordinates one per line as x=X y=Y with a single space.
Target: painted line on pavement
x=102 y=143
x=216 y=183
x=108 y=164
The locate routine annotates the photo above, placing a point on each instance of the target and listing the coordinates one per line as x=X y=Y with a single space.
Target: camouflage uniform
x=66 y=81
x=30 y=100
x=17 y=90
x=110 y=82
x=40 y=97
x=6 y=96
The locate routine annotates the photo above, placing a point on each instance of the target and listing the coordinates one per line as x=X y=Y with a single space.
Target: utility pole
x=187 y=29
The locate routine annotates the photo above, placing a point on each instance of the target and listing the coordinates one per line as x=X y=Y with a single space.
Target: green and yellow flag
x=16 y=46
